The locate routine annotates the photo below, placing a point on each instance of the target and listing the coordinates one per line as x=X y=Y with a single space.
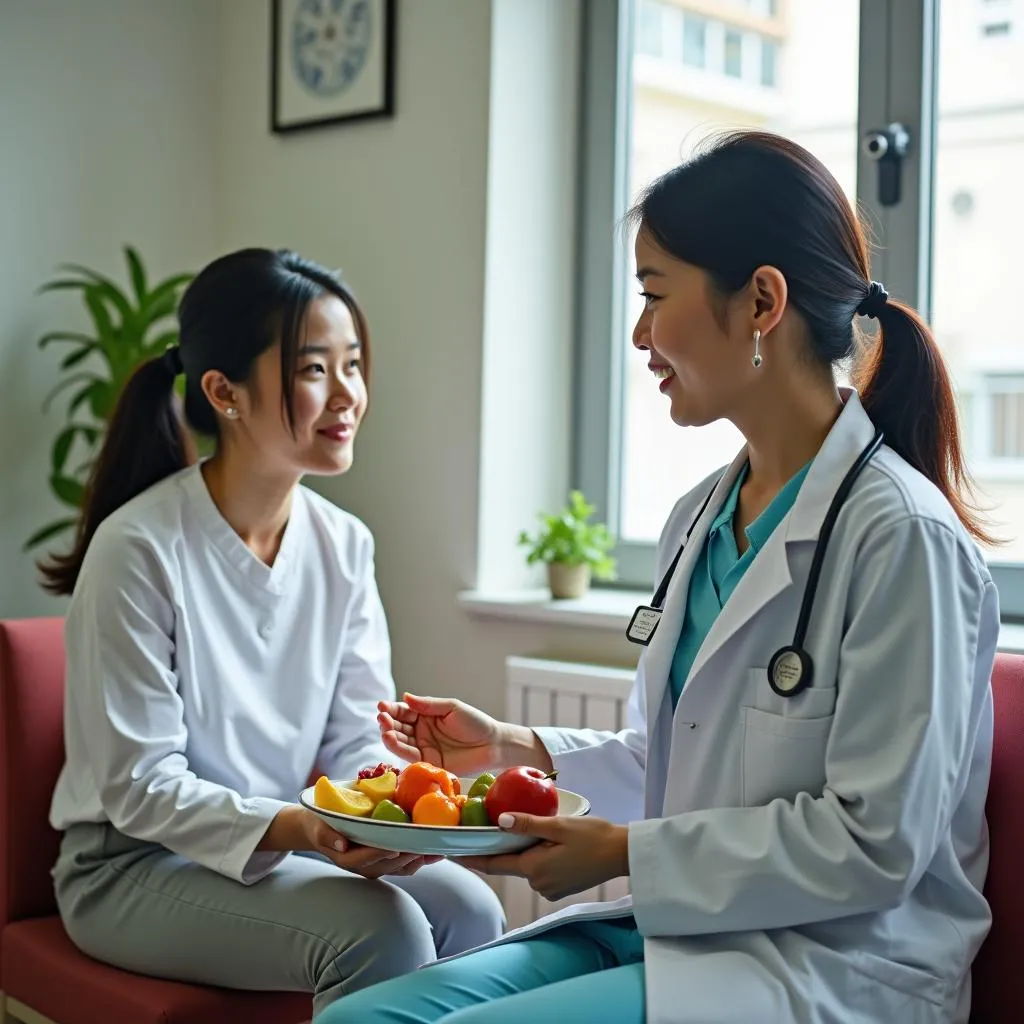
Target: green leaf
x=102 y=399
x=163 y=307
x=48 y=531
x=83 y=339
x=74 y=358
x=106 y=288
x=164 y=298
x=100 y=314
x=67 y=382
x=61 y=447
x=137 y=272
x=71 y=492
x=65 y=439
x=81 y=396
x=63 y=284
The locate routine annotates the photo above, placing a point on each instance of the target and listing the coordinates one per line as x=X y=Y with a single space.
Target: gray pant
x=308 y=926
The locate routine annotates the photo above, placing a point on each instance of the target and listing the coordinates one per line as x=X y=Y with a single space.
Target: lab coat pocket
x=782 y=756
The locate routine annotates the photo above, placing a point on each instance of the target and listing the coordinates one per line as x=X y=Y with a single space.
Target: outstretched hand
x=443 y=731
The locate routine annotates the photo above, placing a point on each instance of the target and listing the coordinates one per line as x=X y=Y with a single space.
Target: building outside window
x=793 y=66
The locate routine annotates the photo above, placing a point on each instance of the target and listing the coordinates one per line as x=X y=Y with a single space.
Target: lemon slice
x=330 y=797
x=380 y=788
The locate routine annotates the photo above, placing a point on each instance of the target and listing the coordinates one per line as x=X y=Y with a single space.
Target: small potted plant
x=572 y=547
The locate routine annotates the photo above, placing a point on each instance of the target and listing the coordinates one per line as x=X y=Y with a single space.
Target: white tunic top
x=203 y=686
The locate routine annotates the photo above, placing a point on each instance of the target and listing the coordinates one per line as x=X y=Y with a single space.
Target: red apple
x=523 y=789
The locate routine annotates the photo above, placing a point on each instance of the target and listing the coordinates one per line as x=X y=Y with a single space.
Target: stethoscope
x=791 y=669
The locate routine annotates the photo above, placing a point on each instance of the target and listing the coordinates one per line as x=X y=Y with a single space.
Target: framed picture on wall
x=330 y=61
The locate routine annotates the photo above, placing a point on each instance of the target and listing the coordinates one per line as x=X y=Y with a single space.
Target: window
x=733 y=53
x=695 y=42
x=768 y=58
x=992 y=416
x=649 y=28
x=1007 y=420
x=950 y=247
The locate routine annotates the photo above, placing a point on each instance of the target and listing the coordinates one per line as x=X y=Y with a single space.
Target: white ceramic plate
x=436 y=840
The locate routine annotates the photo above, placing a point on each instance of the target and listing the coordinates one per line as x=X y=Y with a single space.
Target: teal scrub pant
x=577 y=974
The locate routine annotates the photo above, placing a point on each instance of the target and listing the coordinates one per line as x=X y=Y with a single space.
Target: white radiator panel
x=576 y=695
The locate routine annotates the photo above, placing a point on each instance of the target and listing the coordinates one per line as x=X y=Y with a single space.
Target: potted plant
x=125 y=332
x=573 y=548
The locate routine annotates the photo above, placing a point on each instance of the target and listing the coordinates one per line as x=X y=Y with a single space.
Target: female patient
x=804 y=837
x=224 y=637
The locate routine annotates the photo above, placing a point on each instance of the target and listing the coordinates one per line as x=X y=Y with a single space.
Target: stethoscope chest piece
x=790 y=671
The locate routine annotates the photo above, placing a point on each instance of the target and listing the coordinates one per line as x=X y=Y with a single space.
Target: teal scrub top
x=720 y=567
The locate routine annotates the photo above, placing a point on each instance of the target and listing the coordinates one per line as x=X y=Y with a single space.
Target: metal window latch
x=887 y=147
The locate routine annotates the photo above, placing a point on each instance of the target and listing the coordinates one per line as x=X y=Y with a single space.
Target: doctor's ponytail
x=907 y=392
x=235 y=309
x=751 y=199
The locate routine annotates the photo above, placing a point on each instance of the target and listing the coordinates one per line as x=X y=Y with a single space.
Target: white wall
x=107 y=135
x=401 y=206
x=530 y=284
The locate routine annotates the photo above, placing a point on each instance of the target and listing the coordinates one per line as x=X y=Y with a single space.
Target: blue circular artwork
x=330 y=41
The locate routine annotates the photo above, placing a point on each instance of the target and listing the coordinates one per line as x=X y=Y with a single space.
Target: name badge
x=643 y=624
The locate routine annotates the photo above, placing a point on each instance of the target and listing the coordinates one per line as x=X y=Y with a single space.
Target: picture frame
x=331 y=62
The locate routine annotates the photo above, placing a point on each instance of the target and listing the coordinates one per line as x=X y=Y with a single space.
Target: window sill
x=602 y=608
x=606 y=609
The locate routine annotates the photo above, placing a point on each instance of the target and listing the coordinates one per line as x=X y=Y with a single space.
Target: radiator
x=546 y=692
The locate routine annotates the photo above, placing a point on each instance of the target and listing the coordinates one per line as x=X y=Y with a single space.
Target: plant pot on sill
x=567 y=581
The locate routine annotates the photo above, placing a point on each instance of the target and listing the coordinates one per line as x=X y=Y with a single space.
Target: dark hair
x=749 y=199
x=236 y=308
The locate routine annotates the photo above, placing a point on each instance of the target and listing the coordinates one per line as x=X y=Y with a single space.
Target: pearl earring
x=757 y=360
x=231 y=412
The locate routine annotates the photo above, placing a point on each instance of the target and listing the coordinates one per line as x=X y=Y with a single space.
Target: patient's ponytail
x=145 y=442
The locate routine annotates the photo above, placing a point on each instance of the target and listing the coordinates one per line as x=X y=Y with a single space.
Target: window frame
x=898 y=79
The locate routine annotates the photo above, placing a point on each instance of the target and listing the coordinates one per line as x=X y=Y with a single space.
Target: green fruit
x=474 y=812
x=388 y=810
x=482 y=784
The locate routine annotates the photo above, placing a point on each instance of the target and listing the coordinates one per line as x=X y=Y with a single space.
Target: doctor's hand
x=456 y=736
x=574 y=854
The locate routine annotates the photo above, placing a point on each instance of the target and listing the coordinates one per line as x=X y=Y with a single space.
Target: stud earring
x=231 y=412
x=757 y=360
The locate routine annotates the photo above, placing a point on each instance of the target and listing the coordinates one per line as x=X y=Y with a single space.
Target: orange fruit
x=418 y=779
x=456 y=785
x=435 y=808
x=460 y=800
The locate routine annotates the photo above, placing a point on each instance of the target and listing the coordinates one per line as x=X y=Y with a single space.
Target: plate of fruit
x=424 y=809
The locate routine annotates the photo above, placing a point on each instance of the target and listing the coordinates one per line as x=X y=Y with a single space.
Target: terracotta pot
x=568 y=581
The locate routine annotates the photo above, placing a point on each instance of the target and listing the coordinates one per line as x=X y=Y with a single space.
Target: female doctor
x=803 y=835
x=224 y=637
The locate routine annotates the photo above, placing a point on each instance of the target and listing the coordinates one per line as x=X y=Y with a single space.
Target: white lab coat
x=817 y=859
